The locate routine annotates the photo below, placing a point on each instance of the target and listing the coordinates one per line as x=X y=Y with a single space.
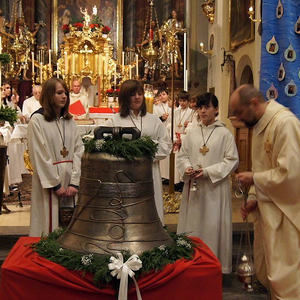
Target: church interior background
x=223 y=44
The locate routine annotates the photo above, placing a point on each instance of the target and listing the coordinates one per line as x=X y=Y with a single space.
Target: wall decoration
x=272 y=46
x=279 y=10
x=290 y=53
x=297 y=26
x=272 y=93
x=241 y=27
x=281 y=72
x=291 y=89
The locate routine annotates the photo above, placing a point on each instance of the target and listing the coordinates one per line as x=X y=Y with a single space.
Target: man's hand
x=71 y=191
x=198 y=173
x=61 y=192
x=189 y=171
x=165 y=116
x=185 y=124
x=245 y=178
x=248 y=208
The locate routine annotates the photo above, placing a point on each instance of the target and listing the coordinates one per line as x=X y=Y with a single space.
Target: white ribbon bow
x=122 y=270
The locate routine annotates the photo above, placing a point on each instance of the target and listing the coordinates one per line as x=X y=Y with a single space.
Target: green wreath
x=153 y=260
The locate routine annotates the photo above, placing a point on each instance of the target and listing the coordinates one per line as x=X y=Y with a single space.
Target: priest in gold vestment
x=275 y=198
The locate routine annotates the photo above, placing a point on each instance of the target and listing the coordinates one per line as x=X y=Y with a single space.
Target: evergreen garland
x=153 y=260
x=8 y=114
x=5 y=58
x=128 y=149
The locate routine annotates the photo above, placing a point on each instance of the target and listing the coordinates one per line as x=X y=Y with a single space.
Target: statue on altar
x=171 y=30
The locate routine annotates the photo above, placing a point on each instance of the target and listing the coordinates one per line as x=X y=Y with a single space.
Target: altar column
x=129 y=29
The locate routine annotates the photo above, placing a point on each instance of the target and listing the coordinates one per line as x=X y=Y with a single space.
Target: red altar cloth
x=27 y=276
x=103 y=110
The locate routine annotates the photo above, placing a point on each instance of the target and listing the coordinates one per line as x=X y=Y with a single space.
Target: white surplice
x=30 y=105
x=206 y=213
x=82 y=96
x=45 y=143
x=150 y=125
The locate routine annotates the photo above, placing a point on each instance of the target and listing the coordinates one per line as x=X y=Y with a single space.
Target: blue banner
x=281 y=45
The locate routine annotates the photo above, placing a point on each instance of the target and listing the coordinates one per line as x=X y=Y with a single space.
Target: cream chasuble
x=276 y=167
x=45 y=146
x=206 y=213
x=151 y=126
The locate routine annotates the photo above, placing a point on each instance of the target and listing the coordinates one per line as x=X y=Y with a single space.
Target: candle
x=66 y=62
x=123 y=59
x=32 y=63
x=185 y=62
x=201 y=47
x=137 y=65
x=129 y=71
x=50 y=67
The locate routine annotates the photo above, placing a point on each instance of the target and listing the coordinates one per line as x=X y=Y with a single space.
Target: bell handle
x=117 y=132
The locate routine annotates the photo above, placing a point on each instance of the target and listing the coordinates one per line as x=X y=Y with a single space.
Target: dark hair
x=7 y=98
x=246 y=92
x=128 y=89
x=47 y=99
x=183 y=95
x=161 y=90
x=206 y=99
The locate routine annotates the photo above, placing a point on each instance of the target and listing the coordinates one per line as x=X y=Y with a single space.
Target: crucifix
x=204 y=149
x=85 y=52
x=64 y=152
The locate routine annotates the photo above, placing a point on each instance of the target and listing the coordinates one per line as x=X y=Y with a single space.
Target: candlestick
x=66 y=62
x=32 y=63
x=137 y=65
x=73 y=63
x=50 y=67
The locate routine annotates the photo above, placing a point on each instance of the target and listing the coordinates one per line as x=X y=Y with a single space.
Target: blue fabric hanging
x=283 y=29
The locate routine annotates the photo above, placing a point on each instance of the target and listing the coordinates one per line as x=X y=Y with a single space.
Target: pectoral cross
x=204 y=149
x=64 y=152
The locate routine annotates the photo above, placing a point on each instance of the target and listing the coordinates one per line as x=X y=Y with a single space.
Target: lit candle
x=66 y=62
x=32 y=63
x=250 y=9
x=137 y=65
x=201 y=47
x=50 y=67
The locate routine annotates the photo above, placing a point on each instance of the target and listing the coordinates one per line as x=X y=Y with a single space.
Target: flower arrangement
x=105 y=30
x=78 y=25
x=153 y=260
x=65 y=28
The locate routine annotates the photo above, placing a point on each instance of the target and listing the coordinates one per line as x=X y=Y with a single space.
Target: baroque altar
x=87 y=52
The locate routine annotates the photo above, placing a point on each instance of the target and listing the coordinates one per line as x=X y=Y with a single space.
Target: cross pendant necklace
x=64 y=152
x=204 y=149
x=135 y=124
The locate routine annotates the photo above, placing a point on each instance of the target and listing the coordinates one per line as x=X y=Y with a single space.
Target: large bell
x=116 y=209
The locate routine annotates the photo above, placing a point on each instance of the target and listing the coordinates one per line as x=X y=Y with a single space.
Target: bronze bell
x=116 y=209
x=245 y=272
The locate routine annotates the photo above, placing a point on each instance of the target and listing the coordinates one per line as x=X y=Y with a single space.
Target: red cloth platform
x=27 y=276
x=103 y=110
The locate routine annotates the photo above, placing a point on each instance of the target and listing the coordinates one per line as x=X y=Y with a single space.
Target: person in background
x=32 y=104
x=208 y=155
x=6 y=94
x=76 y=94
x=274 y=196
x=162 y=108
x=14 y=104
x=55 y=150
x=132 y=113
